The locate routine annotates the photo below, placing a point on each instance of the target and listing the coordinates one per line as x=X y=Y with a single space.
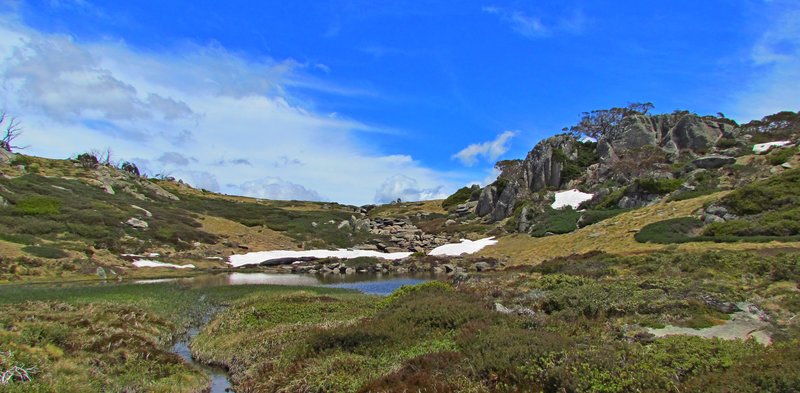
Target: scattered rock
x=145 y=211
x=137 y=223
x=482 y=266
x=101 y=272
x=449 y=222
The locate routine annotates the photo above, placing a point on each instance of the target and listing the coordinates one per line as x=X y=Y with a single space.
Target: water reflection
x=375 y=284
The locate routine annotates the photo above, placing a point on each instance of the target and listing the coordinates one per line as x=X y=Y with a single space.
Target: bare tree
x=12 y=131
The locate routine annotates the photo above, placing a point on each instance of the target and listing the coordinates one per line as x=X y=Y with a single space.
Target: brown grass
x=408 y=209
x=615 y=236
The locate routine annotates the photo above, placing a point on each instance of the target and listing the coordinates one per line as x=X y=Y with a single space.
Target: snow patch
x=763 y=147
x=465 y=247
x=149 y=263
x=572 y=198
x=255 y=258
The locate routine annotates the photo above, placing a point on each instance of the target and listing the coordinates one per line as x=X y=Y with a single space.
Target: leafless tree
x=12 y=130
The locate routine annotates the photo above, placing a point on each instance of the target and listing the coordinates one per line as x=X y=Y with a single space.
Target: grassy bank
x=101 y=337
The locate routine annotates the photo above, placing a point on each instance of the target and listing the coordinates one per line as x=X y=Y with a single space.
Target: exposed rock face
x=676 y=133
x=673 y=133
x=541 y=169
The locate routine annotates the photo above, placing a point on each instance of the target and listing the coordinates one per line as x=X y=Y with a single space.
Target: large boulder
x=543 y=166
x=713 y=161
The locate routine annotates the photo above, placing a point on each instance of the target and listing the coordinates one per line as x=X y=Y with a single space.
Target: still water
x=373 y=284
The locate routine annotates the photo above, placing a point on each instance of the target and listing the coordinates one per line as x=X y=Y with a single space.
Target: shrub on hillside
x=461 y=196
x=780 y=156
x=658 y=186
x=771 y=194
x=38 y=205
x=45 y=252
x=675 y=230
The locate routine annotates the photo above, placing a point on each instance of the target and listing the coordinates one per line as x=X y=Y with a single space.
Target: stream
x=373 y=284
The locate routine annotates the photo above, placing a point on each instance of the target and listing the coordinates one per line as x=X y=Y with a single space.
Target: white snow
x=763 y=147
x=465 y=247
x=149 y=263
x=254 y=258
x=572 y=198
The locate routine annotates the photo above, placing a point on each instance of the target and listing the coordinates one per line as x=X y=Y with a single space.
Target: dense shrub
x=38 y=205
x=658 y=186
x=462 y=195
x=770 y=194
x=780 y=156
x=675 y=230
x=555 y=221
x=45 y=252
x=777 y=369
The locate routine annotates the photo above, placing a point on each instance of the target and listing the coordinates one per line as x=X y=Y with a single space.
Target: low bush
x=45 y=252
x=658 y=186
x=780 y=156
x=463 y=195
x=38 y=205
x=555 y=222
x=676 y=230
x=774 y=193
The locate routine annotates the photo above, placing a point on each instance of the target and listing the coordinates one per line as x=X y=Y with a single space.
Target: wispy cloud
x=535 y=26
x=490 y=150
x=774 y=66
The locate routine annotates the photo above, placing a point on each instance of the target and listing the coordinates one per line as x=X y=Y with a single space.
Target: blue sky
x=367 y=101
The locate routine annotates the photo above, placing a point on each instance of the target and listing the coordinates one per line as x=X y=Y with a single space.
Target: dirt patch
x=745 y=324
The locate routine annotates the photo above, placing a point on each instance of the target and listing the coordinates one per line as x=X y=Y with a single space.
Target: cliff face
x=673 y=133
x=543 y=169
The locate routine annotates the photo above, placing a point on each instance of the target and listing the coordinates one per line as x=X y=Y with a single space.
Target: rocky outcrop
x=676 y=134
x=541 y=169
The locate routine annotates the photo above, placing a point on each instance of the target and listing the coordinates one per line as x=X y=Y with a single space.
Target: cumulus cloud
x=406 y=189
x=279 y=189
x=490 y=150
x=62 y=79
x=197 y=101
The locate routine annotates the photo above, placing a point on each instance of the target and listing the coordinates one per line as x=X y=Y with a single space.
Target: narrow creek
x=372 y=284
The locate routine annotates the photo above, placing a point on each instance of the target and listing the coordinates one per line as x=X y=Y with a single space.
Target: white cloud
x=61 y=79
x=490 y=150
x=406 y=189
x=775 y=64
x=201 y=102
x=277 y=188
x=531 y=26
